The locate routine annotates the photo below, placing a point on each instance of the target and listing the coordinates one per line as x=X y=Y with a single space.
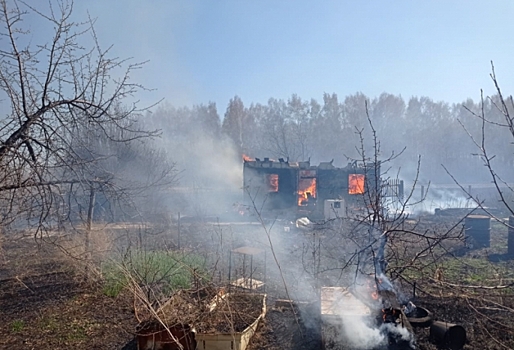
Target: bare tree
x=62 y=96
x=380 y=240
x=495 y=121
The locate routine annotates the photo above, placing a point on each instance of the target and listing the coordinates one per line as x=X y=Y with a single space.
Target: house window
x=356 y=183
x=306 y=191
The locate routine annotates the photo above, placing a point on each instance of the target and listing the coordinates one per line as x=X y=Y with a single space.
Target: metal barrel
x=510 y=239
x=478 y=230
x=449 y=335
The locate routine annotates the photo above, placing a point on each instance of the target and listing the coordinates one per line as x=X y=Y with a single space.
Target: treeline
x=299 y=129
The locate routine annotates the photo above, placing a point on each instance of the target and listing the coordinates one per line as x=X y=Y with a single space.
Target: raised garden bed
x=205 y=322
x=232 y=323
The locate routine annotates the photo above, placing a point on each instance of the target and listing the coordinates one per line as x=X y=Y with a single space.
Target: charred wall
x=269 y=184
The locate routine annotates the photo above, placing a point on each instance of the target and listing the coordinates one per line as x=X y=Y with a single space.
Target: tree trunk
x=89 y=224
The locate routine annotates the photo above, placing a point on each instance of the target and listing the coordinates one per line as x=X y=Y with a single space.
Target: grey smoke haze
x=212 y=178
x=208 y=152
x=207 y=147
x=209 y=166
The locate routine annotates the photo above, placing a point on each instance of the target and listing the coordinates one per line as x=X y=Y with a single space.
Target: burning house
x=307 y=190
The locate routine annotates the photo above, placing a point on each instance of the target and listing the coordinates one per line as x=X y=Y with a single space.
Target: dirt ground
x=45 y=304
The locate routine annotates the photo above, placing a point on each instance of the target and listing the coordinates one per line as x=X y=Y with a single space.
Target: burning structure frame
x=303 y=189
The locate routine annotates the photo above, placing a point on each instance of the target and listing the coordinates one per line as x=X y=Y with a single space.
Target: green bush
x=160 y=270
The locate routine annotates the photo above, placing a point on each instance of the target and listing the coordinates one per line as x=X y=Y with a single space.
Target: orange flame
x=306 y=190
x=356 y=184
x=246 y=158
x=390 y=314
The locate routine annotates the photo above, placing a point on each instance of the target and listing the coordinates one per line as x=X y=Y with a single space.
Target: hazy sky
x=211 y=50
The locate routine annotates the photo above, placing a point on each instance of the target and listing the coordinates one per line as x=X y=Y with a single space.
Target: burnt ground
x=45 y=304
x=285 y=328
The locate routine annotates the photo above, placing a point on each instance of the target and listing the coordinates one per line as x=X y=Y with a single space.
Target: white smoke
x=359 y=333
x=443 y=198
x=359 y=324
x=426 y=199
x=398 y=331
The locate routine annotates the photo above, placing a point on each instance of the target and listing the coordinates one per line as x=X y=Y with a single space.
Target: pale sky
x=211 y=50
